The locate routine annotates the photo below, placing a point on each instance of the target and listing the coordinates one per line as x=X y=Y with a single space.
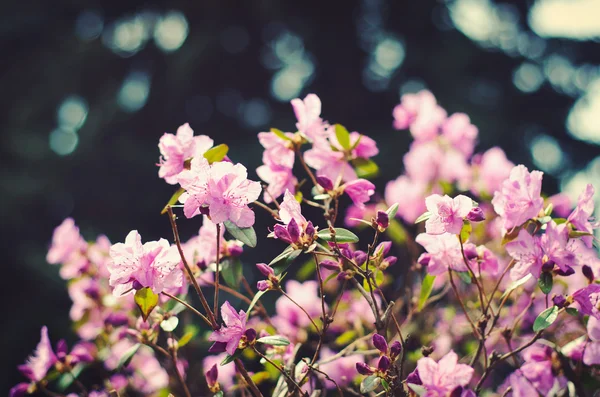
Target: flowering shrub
x=501 y=298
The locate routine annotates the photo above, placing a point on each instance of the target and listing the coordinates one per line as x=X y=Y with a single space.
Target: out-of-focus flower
x=308 y=112
x=580 y=217
x=519 y=199
x=445 y=375
x=41 y=361
x=443 y=253
x=409 y=194
x=421 y=114
x=359 y=190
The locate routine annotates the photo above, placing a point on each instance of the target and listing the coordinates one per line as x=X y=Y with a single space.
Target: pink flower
x=38 y=365
x=444 y=376
x=520 y=385
x=308 y=112
x=176 y=149
x=538 y=369
x=67 y=243
x=306 y=295
x=226 y=373
x=443 y=253
x=526 y=250
x=556 y=245
x=447 y=214
x=561 y=204
x=421 y=113
x=290 y=209
x=588 y=299
x=493 y=169
x=461 y=134
x=341 y=370
x=277 y=151
x=429 y=162
x=154 y=264
x=580 y=217
x=410 y=194
x=279 y=179
x=221 y=187
x=591 y=354
x=234 y=329
x=360 y=191
x=519 y=199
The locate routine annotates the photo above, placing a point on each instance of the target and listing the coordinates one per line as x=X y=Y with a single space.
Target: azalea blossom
x=519 y=199
x=279 y=179
x=221 y=188
x=557 y=246
x=460 y=133
x=308 y=112
x=443 y=253
x=408 y=192
x=492 y=168
x=44 y=358
x=134 y=265
x=580 y=217
x=360 y=191
x=447 y=214
x=526 y=250
x=591 y=354
x=231 y=333
x=588 y=299
x=421 y=114
x=176 y=149
x=445 y=375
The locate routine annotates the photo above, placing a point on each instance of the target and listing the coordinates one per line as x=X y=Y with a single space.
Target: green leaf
x=426 y=288
x=146 y=300
x=418 y=389
x=343 y=136
x=286 y=252
x=545 y=282
x=191 y=331
x=274 y=340
x=246 y=235
x=341 y=235
x=369 y=384
x=172 y=200
x=230 y=359
x=572 y=311
x=385 y=385
x=260 y=377
x=465 y=232
x=128 y=355
x=169 y=324
x=379 y=278
x=392 y=210
x=218 y=394
x=255 y=300
x=545 y=319
x=355 y=144
x=280 y=134
x=346 y=338
x=423 y=217
x=516 y=284
x=232 y=271
x=465 y=277
x=560 y=221
x=365 y=168
x=67 y=379
x=282 y=266
x=548 y=209
x=217 y=153
x=578 y=233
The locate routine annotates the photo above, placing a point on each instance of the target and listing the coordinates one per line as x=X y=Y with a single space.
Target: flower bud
x=117 y=319
x=265 y=269
x=360 y=257
x=325 y=182
x=309 y=230
x=217 y=347
x=475 y=215
x=364 y=369
x=588 y=273
x=380 y=343
x=457 y=392
x=424 y=259
x=250 y=335
x=559 y=300
x=293 y=230
x=383 y=219
x=414 y=378
x=329 y=264
x=387 y=262
x=212 y=375
x=566 y=272
x=281 y=233
x=384 y=363
x=235 y=249
x=383 y=248
x=395 y=349
x=263 y=285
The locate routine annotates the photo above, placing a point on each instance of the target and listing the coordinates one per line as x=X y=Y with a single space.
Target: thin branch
x=205 y=305
x=240 y=366
x=187 y=305
x=217 y=274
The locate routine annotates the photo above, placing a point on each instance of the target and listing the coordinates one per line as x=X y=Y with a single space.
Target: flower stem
x=217 y=273
x=253 y=388
x=193 y=309
x=203 y=300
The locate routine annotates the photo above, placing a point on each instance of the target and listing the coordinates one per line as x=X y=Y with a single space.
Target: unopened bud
x=364 y=369
x=383 y=219
x=380 y=343
x=475 y=215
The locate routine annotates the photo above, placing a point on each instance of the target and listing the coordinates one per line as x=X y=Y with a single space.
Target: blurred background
x=88 y=87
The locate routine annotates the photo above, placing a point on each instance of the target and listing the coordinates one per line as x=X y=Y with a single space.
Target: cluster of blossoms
x=500 y=295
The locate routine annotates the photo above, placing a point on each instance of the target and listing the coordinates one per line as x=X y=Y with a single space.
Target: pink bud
x=212 y=375
x=364 y=369
x=265 y=269
x=475 y=215
x=325 y=182
x=380 y=343
x=263 y=285
x=384 y=363
x=383 y=220
x=329 y=264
